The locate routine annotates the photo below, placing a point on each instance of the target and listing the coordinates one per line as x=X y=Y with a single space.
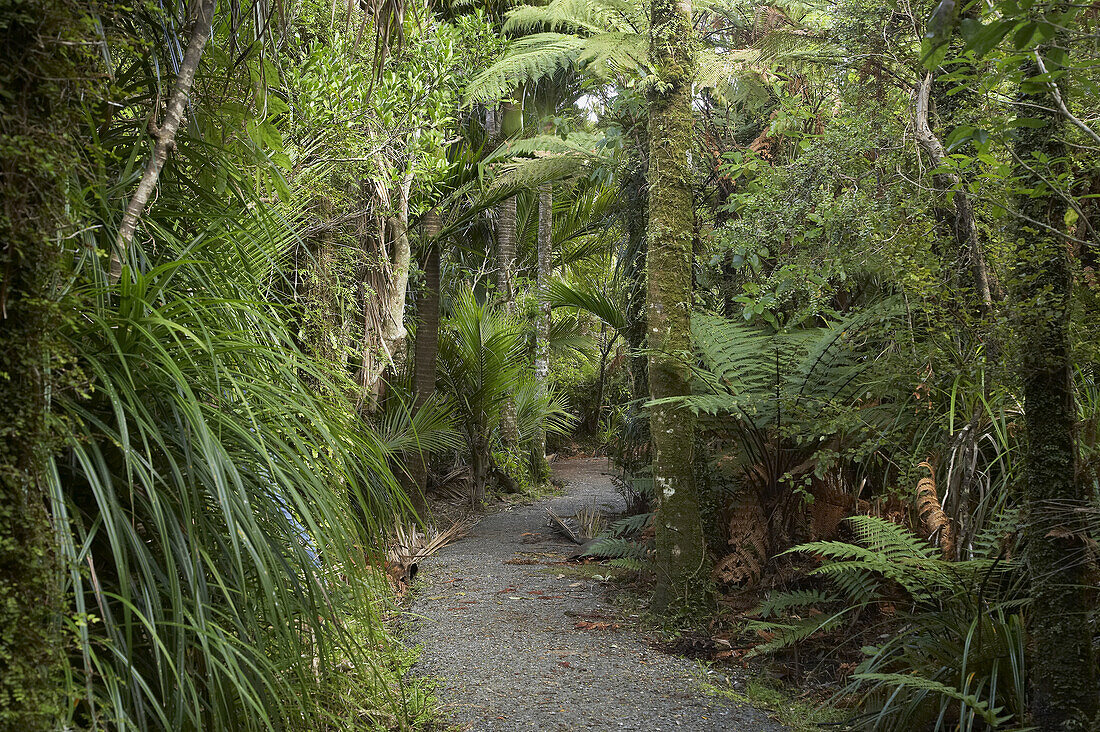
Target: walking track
x=498 y=625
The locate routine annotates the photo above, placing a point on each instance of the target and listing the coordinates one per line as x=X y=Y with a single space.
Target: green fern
x=795 y=630
x=630 y=525
x=951 y=647
x=922 y=684
x=618 y=548
x=781 y=601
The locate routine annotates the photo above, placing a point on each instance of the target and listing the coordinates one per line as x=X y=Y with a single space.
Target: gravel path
x=502 y=639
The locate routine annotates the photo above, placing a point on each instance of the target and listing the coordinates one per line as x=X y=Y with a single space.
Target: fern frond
x=791 y=633
x=529 y=59
x=741 y=357
x=781 y=601
x=617 y=548
x=630 y=524
x=576 y=16
x=628 y=563
x=919 y=682
x=889 y=538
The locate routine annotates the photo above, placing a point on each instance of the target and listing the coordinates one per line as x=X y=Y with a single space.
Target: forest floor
x=520 y=640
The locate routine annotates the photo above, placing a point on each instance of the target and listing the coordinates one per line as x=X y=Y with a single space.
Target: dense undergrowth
x=398 y=251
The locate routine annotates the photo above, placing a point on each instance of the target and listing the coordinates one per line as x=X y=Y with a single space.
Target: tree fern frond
x=576 y=16
x=529 y=59
x=618 y=548
x=782 y=601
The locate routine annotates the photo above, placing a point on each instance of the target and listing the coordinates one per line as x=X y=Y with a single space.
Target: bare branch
x=165 y=137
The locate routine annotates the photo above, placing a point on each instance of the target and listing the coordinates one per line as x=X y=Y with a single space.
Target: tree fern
x=952 y=643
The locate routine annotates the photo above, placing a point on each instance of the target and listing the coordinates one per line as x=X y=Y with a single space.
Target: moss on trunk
x=681 y=551
x=1062 y=671
x=41 y=43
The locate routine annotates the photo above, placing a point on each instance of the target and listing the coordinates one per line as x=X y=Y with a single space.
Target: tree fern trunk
x=1063 y=683
x=681 y=552
x=426 y=348
x=510 y=120
x=542 y=334
x=426 y=351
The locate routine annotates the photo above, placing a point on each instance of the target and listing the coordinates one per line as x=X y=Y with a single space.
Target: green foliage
x=48 y=65
x=956 y=654
x=208 y=493
x=481 y=360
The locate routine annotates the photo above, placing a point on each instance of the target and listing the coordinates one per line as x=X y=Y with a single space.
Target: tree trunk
x=636 y=220
x=1063 y=683
x=964 y=227
x=426 y=350
x=681 y=551
x=35 y=159
x=165 y=137
x=479 y=464
x=510 y=121
x=384 y=330
x=542 y=333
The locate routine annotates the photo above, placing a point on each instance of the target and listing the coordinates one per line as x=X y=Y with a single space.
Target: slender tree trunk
x=1063 y=682
x=426 y=350
x=636 y=217
x=542 y=334
x=479 y=465
x=681 y=551
x=510 y=122
x=968 y=242
x=164 y=136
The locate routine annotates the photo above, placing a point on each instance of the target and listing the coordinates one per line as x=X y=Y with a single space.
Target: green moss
x=682 y=577
x=762 y=692
x=41 y=43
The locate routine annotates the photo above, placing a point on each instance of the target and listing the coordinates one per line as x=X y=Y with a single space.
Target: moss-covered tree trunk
x=681 y=551
x=542 y=331
x=1063 y=682
x=41 y=44
x=635 y=214
x=511 y=123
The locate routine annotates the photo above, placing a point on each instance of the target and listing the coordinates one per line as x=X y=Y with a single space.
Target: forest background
x=819 y=278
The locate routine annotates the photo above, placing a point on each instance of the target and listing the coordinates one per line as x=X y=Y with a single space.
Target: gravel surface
x=502 y=638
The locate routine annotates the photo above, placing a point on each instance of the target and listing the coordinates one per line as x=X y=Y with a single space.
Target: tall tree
x=1063 y=682
x=542 y=332
x=426 y=347
x=681 y=550
x=507 y=121
x=40 y=42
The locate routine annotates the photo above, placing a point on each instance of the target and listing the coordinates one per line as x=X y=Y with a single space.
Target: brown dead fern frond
x=748 y=539
x=931 y=513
